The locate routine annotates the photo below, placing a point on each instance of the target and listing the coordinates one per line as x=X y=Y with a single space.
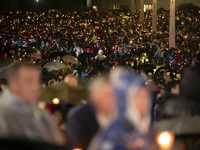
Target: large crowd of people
x=98 y=79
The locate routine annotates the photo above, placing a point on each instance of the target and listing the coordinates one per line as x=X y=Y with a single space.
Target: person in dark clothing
x=96 y=115
x=183 y=111
x=82 y=126
x=116 y=54
x=171 y=89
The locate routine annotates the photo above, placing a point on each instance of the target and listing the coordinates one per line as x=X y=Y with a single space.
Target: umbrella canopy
x=180 y=125
x=168 y=69
x=128 y=46
x=151 y=44
x=83 y=56
x=148 y=67
x=125 y=17
x=156 y=41
x=101 y=57
x=114 y=33
x=3 y=73
x=54 y=66
x=55 y=54
x=166 y=39
x=70 y=59
x=120 y=35
x=36 y=56
x=32 y=40
x=83 y=81
x=90 y=49
x=4 y=62
x=55 y=40
x=96 y=41
x=63 y=91
x=153 y=35
x=114 y=62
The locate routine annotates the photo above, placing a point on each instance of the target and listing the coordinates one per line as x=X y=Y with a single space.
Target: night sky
x=42 y=5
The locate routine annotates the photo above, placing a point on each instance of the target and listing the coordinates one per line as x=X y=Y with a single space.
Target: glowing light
x=41 y=105
x=165 y=140
x=55 y=101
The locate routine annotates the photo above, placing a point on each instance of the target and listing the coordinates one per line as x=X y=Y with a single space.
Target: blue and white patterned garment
x=122 y=134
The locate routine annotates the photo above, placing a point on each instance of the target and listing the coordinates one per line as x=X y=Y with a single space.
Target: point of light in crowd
x=41 y=105
x=77 y=149
x=165 y=140
x=55 y=101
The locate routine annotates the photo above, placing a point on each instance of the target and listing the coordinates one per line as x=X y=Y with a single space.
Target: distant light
x=165 y=140
x=37 y=1
x=41 y=105
x=55 y=101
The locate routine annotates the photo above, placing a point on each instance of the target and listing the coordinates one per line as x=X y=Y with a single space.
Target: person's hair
x=97 y=83
x=13 y=70
x=58 y=108
x=170 y=85
x=51 y=82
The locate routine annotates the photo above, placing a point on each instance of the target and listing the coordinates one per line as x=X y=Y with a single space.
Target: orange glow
x=165 y=140
x=55 y=101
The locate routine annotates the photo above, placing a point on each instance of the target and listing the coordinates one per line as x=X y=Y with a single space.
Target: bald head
x=71 y=80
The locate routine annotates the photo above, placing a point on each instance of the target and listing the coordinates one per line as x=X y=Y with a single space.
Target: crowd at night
x=99 y=80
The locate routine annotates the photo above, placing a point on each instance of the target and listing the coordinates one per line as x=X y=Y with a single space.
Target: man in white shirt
x=100 y=51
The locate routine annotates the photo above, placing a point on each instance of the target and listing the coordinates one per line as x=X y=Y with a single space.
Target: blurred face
x=57 y=117
x=140 y=101
x=104 y=100
x=26 y=84
x=175 y=90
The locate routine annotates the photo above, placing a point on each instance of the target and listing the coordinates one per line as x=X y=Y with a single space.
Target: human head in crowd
x=52 y=82
x=103 y=99
x=24 y=81
x=71 y=80
x=173 y=88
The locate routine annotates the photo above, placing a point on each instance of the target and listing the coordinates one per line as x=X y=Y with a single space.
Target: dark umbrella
x=46 y=76
x=83 y=56
x=63 y=91
x=148 y=67
x=61 y=54
x=168 y=69
x=120 y=35
x=114 y=33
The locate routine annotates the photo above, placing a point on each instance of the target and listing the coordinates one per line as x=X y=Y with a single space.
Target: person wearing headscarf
x=131 y=128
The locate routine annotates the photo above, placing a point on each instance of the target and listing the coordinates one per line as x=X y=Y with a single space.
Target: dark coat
x=81 y=127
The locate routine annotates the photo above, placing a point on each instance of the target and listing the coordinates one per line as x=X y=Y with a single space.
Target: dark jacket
x=81 y=127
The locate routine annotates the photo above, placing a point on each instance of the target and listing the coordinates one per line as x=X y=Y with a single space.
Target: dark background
x=43 y=5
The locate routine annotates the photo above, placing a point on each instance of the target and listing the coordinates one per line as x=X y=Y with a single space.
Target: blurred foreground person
x=171 y=90
x=182 y=113
x=98 y=113
x=20 y=118
x=131 y=129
